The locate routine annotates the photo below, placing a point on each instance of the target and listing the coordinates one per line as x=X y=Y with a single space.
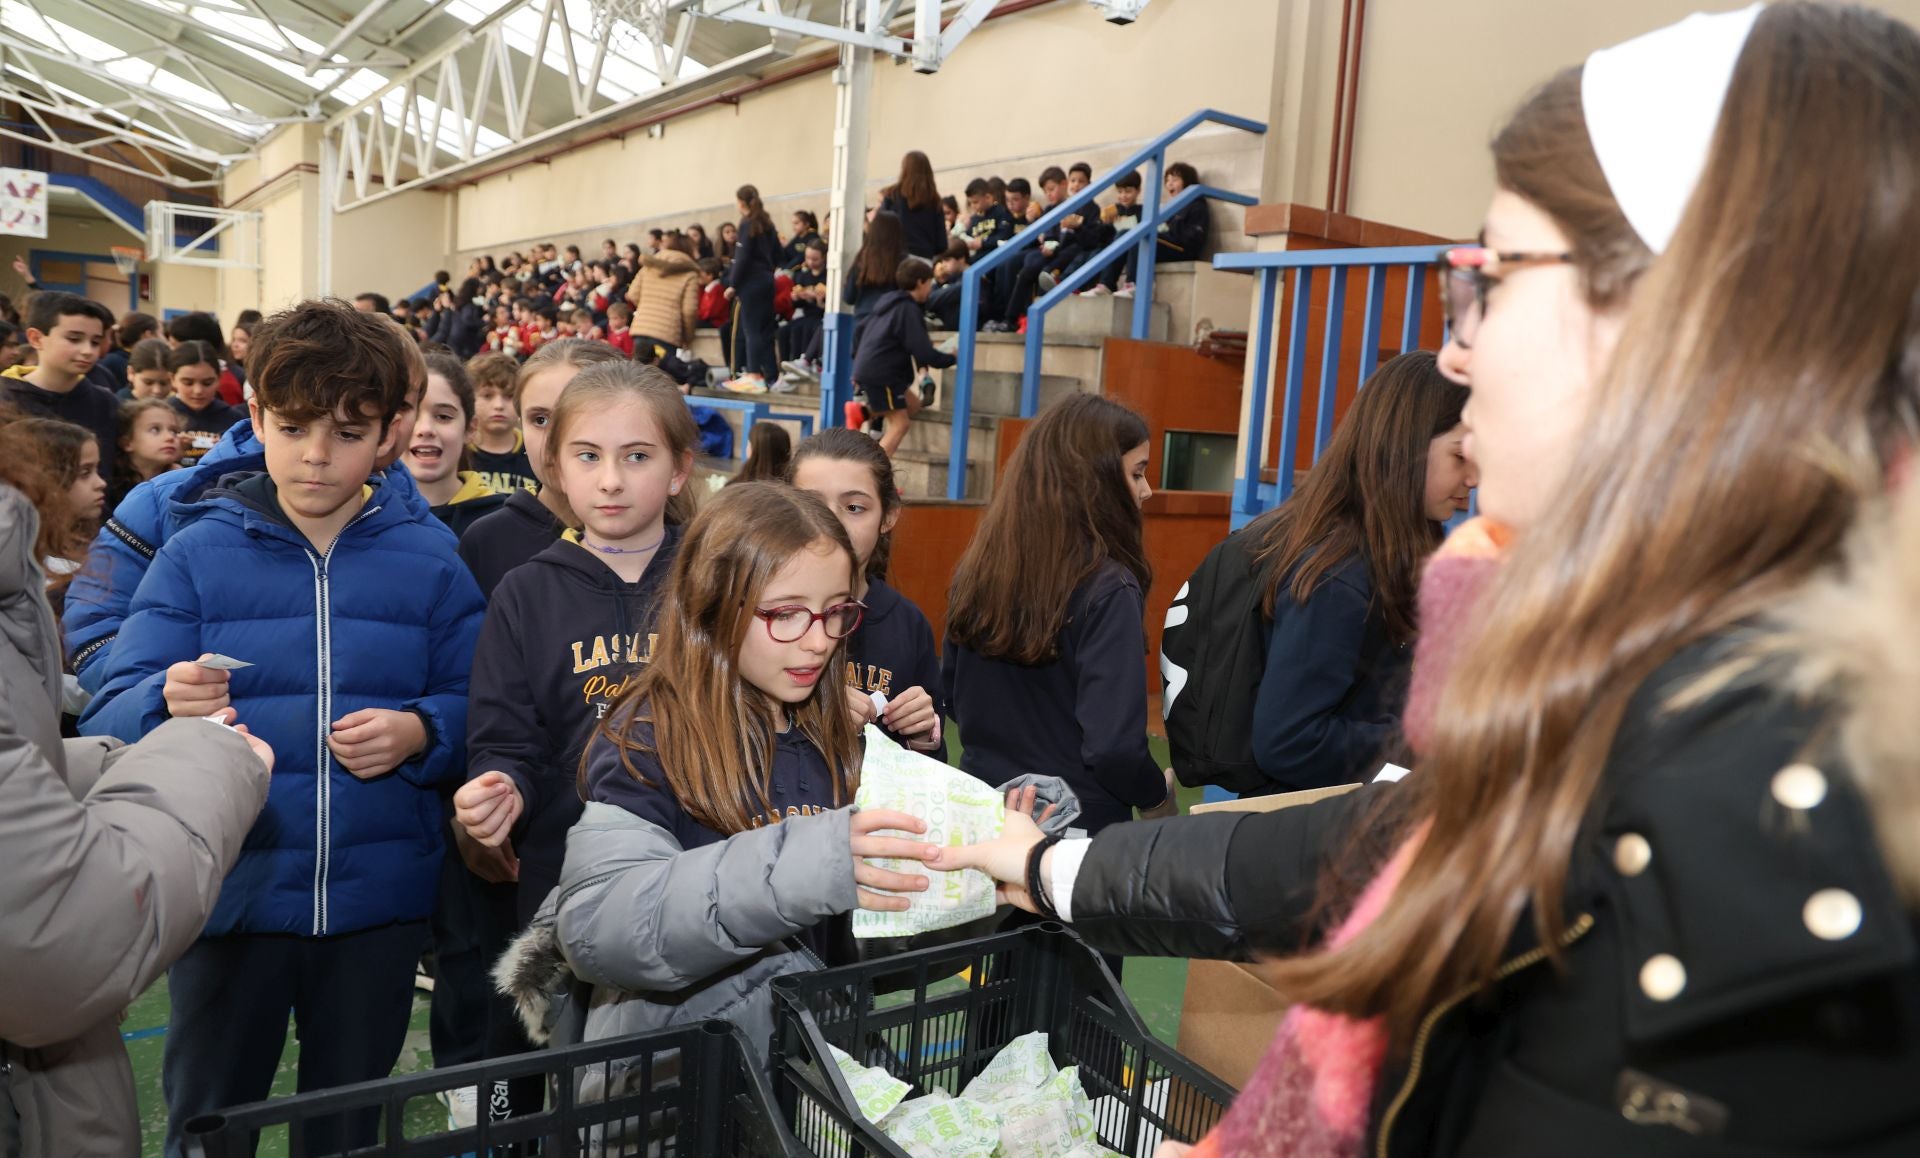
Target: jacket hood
x=1851 y=636
x=250 y=497
x=473 y=485
x=20 y=573
x=668 y=261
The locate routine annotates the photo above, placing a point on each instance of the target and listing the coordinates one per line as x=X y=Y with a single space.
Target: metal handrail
x=1250 y=495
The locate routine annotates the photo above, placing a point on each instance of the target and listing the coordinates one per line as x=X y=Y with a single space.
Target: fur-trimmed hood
x=1853 y=636
x=535 y=974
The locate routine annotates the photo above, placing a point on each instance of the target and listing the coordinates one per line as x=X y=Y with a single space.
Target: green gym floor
x=1155 y=985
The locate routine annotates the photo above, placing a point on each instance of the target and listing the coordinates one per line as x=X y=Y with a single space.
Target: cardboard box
x=1230 y=1012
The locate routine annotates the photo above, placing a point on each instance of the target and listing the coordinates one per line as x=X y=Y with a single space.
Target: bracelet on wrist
x=1036 y=887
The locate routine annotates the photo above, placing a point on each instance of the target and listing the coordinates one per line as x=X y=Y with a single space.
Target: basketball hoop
x=630 y=27
x=127 y=257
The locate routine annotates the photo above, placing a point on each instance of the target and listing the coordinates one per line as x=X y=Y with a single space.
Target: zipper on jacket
x=323 y=699
x=1527 y=960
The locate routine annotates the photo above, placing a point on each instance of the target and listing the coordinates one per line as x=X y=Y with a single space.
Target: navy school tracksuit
x=496 y=544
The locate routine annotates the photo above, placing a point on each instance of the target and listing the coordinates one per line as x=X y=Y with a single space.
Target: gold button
x=1800 y=786
x=1832 y=914
x=1632 y=854
x=1663 y=977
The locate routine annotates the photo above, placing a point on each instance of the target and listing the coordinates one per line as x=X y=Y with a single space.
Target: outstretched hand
x=1004 y=858
x=865 y=844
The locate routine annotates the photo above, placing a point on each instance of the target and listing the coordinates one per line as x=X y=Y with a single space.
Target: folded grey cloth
x=1049 y=790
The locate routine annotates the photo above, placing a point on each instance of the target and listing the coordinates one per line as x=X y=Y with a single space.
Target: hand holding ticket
x=214 y=661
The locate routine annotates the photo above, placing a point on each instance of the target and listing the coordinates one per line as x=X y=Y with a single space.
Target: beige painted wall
x=1438 y=80
x=173 y=287
x=1023 y=92
x=393 y=246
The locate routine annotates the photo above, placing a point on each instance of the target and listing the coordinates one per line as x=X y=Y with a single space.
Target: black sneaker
x=929 y=391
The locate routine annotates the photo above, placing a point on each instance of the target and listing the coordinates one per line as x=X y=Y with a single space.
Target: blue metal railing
x=836 y=382
x=1251 y=496
x=753 y=410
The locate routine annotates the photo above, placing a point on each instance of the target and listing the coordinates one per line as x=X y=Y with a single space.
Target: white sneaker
x=1099 y=290
x=782 y=386
x=746 y=384
x=1047 y=283
x=1123 y=292
x=798 y=370
x=463 y=1107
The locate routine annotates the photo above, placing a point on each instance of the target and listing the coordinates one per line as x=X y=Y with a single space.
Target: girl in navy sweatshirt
x=718 y=850
x=567 y=632
x=1338 y=565
x=750 y=286
x=527 y=523
x=892 y=652
x=1045 y=661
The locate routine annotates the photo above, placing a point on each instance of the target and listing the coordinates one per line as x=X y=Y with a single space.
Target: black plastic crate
x=686 y=1092
x=955 y=1007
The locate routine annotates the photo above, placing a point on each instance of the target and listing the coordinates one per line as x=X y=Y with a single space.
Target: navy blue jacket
x=754 y=259
x=800 y=783
x=926 y=229
x=892 y=339
x=1183 y=237
x=387 y=618
x=1082 y=717
x=1329 y=704
x=893 y=651
x=563 y=637
x=497 y=543
x=98 y=597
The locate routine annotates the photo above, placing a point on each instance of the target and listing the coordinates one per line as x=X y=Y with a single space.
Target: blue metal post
x=1370 y=332
x=1246 y=490
x=1416 y=301
x=836 y=369
x=1330 y=361
x=1143 y=273
x=961 y=405
x=1030 y=364
x=1296 y=384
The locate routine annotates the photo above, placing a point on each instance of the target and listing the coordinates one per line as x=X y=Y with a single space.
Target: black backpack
x=1212 y=656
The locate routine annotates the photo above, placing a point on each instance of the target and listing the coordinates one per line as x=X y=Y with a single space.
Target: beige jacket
x=110 y=860
x=666 y=297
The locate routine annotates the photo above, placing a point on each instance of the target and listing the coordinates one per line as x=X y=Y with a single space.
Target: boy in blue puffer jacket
x=358 y=623
x=97 y=598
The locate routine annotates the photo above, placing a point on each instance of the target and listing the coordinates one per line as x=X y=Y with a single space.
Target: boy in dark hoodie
x=356 y=626
x=893 y=339
x=990 y=227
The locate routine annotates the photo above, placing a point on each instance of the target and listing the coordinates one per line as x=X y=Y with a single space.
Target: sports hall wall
x=1041 y=86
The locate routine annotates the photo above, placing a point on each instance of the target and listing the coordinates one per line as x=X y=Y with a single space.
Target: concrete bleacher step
x=932 y=433
x=1068 y=357
x=922 y=475
x=1083 y=316
x=998 y=391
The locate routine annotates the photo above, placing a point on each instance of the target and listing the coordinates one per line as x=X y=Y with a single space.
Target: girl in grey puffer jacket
x=718 y=845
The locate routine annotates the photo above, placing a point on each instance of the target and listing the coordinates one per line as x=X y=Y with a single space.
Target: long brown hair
x=769 y=454
x=713 y=732
x=26 y=466
x=1365 y=494
x=758 y=220
x=915 y=189
x=604 y=384
x=1773 y=339
x=881 y=252
x=62 y=443
x=1062 y=508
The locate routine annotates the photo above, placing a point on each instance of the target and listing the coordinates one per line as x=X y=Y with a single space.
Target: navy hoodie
x=926 y=229
x=1082 y=717
x=562 y=638
x=893 y=650
x=893 y=338
x=1329 y=704
x=497 y=543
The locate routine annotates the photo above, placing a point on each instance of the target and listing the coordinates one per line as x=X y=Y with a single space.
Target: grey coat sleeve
x=637 y=912
x=102 y=893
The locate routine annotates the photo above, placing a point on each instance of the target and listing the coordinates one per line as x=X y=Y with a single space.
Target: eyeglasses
x=1467 y=272
x=791 y=624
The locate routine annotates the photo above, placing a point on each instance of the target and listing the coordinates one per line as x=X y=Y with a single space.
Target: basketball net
x=126 y=258
x=630 y=27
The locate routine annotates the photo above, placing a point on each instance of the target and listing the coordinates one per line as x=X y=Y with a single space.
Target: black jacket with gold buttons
x=1741 y=977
